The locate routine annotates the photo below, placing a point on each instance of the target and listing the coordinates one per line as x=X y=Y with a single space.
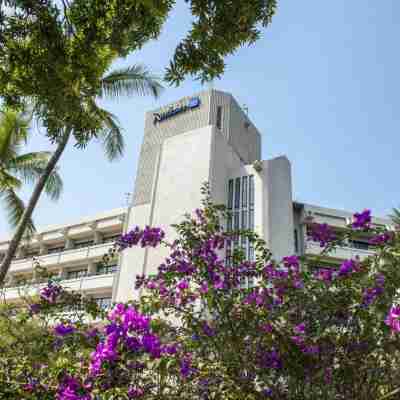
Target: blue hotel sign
x=193 y=103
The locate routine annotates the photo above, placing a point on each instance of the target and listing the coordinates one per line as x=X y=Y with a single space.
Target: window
x=241 y=215
x=230 y=194
x=237 y=193
x=296 y=241
x=219 y=118
x=109 y=239
x=81 y=244
x=57 y=249
x=106 y=269
x=103 y=302
x=357 y=244
x=77 y=274
x=32 y=253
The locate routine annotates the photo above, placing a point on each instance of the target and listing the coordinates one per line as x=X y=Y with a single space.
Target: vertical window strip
x=219 y=118
x=237 y=193
x=244 y=192
x=230 y=194
x=251 y=190
x=296 y=241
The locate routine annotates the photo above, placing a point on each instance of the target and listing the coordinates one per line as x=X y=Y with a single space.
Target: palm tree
x=395 y=217
x=126 y=81
x=17 y=169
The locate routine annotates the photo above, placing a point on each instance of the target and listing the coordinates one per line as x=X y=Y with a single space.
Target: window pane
x=244 y=219
x=251 y=190
x=244 y=192
x=296 y=241
x=230 y=194
x=219 y=117
x=237 y=193
x=251 y=220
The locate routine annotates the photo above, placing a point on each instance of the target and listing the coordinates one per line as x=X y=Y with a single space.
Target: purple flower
x=321 y=233
x=291 y=263
x=51 y=292
x=270 y=359
x=186 y=368
x=381 y=239
x=266 y=328
x=267 y=392
x=182 y=285
x=393 y=319
x=72 y=389
x=347 y=267
x=34 y=308
x=204 y=288
x=324 y=274
x=135 y=393
x=63 y=330
x=300 y=328
x=207 y=330
x=362 y=220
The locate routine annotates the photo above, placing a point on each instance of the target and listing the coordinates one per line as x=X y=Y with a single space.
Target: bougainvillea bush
x=207 y=327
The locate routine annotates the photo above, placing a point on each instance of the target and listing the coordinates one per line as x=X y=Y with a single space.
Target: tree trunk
x=27 y=214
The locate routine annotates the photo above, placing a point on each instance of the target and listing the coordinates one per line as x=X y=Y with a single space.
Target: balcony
x=63 y=257
x=88 y=284
x=342 y=253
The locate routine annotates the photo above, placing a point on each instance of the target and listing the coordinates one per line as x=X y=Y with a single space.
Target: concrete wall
x=277 y=205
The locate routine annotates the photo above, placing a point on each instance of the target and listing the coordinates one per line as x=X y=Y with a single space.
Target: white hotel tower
x=202 y=138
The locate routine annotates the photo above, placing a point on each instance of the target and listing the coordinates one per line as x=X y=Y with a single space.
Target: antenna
x=245 y=109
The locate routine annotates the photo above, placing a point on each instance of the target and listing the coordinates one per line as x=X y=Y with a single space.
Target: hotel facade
x=202 y=138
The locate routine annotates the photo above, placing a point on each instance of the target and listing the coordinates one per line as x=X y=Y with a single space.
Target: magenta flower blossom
x=51 y=292
x=347 y=267
x=135 y=393
x=292 y=263
x=393 y=319
x=324 y=274
x=182 y=285
x=147 y=237
x=267 y=327
x=300 y=328
x=381 y=239
x=72 y=389
x=362 y=220
x=63 y=330
x=321 y=233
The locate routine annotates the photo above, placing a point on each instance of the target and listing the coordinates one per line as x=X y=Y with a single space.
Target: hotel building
x=202 y=138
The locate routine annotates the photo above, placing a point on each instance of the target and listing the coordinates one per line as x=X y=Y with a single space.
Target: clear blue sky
x=322 y=86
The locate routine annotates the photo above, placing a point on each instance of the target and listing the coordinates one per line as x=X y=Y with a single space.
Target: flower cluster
x=393 y=319
x=370 y=294
x=362 y=220
x=128 y=330
x=381 y=239
x=72 y=389
x=148 y=237
x=63 y=330
x=51 y=292
x=321 y=233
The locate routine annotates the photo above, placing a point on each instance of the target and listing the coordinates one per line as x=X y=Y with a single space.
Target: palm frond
x=30 y=165
x=54 y=185
x=133 y=80
x=15 y=207
x=395 y=217
x=14 y=130
x=110 y=135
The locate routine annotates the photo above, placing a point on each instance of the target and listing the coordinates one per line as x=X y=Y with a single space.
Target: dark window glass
x=251 y=190
x=251 y=220
x=109 y=239
x=76 y=274
x=57 y=249
x=106 y=269
x=219 y=117
x=230 y=194
x=229 y=225
x=237 y=193
x=244 y=219
x=103 y=302
x=244 y=192
x=296 y=241
x=356 y=244
x=86 y=243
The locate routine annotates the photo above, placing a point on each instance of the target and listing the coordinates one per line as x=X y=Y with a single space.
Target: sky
x=321 y=85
